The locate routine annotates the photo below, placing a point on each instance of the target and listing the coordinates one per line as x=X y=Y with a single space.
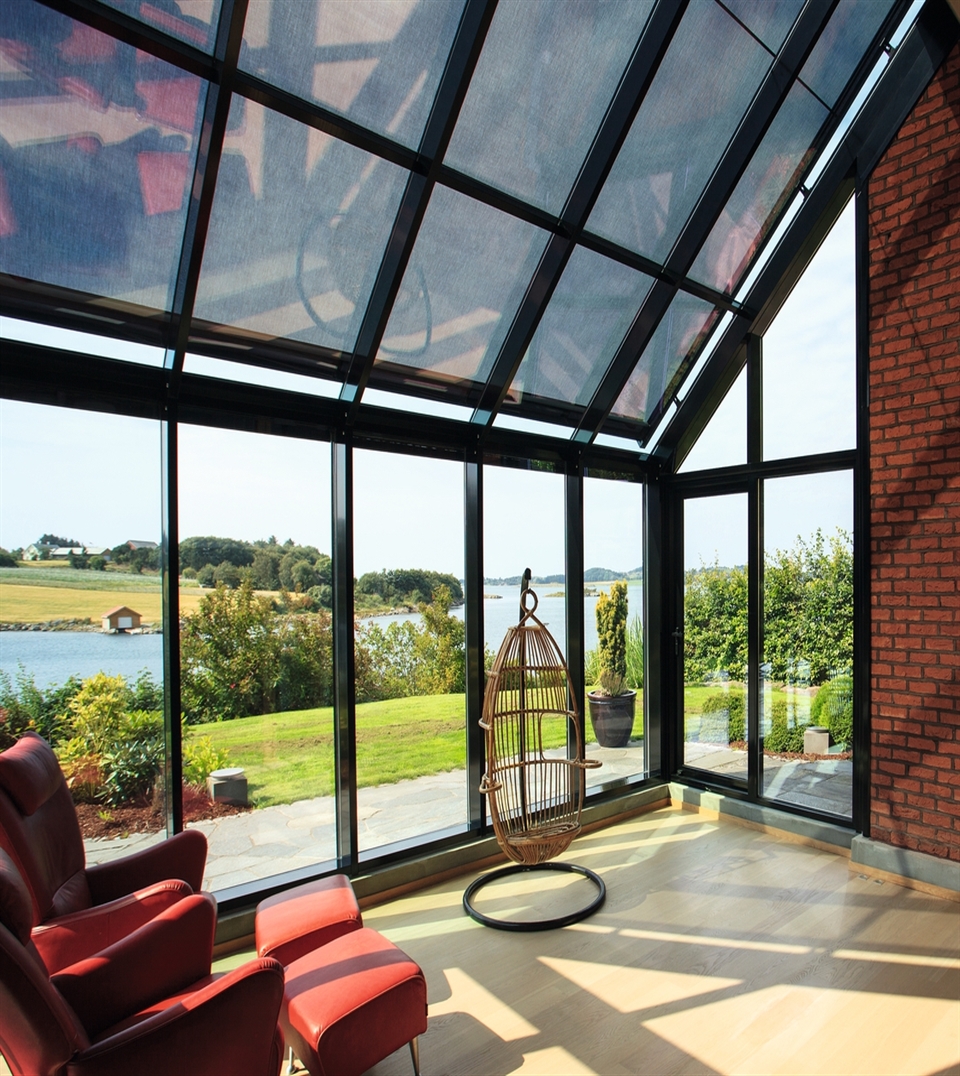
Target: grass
x=289 y=756
x=35 y=604
x=45 y=574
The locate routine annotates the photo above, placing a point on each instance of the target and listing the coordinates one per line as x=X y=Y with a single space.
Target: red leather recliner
x=147 y=1004
x=79 y=910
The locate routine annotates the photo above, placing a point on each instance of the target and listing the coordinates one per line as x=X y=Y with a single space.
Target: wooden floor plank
x=720 y=949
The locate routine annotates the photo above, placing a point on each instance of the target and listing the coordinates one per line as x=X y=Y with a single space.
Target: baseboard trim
x=905 y=867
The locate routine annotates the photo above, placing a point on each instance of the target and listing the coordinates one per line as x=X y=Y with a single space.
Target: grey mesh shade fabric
x=515 y=208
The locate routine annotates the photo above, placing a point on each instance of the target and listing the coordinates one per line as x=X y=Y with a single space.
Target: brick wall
x=914 y=214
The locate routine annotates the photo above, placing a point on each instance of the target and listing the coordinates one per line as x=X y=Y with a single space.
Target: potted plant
x=612 y=704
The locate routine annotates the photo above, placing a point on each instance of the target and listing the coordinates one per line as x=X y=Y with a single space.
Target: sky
x=96 y=478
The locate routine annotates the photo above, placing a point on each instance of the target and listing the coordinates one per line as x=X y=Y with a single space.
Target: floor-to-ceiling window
x=256 y=649
x=80 y=605
x=408 y=647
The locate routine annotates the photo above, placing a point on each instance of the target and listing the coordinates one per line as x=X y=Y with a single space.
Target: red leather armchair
x=78 y=910
x=147 y=1004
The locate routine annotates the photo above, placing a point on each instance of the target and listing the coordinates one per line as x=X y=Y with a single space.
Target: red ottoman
x=302 y=919
x=351 y=1002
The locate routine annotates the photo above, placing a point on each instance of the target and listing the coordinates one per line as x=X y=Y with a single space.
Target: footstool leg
x=415 y=1054
x=290 y=1068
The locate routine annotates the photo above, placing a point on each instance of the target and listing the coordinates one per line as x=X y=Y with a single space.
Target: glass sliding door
x=409 y=647
x=806 y=676
x=256 y=651
x=714 y=634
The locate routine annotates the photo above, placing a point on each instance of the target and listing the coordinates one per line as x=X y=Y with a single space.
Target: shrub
x=780 y=736
x=832 y=708
x=635 y=653
x=129 y=768
x=25 y=707
x=189 y=573
x=200 y=759
x=612 y=630
x=205 y=576
x=728 y=705
x=98 y=564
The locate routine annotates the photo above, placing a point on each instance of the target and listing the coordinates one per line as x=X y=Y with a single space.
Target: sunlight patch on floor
x=628 y=990
x=467 y=995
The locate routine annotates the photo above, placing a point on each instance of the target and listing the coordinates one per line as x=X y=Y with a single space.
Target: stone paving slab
x=254 y=845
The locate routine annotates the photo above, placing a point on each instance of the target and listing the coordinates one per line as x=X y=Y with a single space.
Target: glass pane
x=544 y=80
x=379 y=64
x=409 y=647
x=99 y=146
x=193 y=21
x=715 y=634
x=684 y=124
x=510 y=494
x=613 y=584
x=32 y=332
x=770 y=20
x=723 y=441
x=764 y=189
x=256 y=649
x=588 y=316
x=247 y=374
x=81 y=653
x=806 y=677
x=682 y=331
x=842 y=46
x=297 y=233
x=466 y=277
x=809 y=355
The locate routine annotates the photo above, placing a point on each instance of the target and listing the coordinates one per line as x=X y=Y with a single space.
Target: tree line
x=807 y=614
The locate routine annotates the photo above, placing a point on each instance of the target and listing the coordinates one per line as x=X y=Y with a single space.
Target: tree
x=227 y=574
x=230 y=652
x=197 y=551
x=715 y=622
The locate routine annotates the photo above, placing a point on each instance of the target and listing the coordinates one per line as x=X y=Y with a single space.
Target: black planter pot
x=612 y=717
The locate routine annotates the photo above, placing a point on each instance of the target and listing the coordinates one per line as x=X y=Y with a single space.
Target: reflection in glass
x=806 y=678
x=192 y=21
x=684 y=124
x=98 y=150
x=770 y=21
x=295 y=241
x=256 y=647
x=378 y=64
x=95 y=695
x=809 y=355
x=545 y=77
x=409 y=647
x=466 y=277
x=715 y=688
x=612 y=553
x=723 y=441
x=764 y=189
x=587 y=318
x=842 y=45
x=681 y=334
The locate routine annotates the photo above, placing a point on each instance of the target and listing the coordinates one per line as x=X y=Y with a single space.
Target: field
x=33 y=595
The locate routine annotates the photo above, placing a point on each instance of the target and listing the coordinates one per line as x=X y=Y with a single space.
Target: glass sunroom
x=404 y=298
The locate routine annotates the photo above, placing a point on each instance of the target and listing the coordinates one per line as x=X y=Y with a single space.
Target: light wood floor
x=720 y=949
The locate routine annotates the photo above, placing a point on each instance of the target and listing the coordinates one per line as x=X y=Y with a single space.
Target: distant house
x=135 y=545
x=62 y=552
x=122 y=618
x=32 y=552
x=97 y=551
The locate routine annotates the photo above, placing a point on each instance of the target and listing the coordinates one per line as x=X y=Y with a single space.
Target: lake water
x=52 y=656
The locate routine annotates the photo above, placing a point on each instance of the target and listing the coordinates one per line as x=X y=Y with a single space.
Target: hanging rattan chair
x=535 y=795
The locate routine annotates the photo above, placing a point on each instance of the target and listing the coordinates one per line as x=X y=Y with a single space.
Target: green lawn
x=289 y=756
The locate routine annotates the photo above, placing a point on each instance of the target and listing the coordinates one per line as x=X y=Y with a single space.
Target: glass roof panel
x=193 y=21
x=842 y=46
x=379 y=64
x=544 y=80
x=295 y=241
x=97 y=151
x=467 y=275
x=587 y=318
x=770 y=20
x=705 y=83
x=679 y=336
x=768 y=183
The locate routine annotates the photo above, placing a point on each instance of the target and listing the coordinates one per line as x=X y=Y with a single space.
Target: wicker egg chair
x=535 y=798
